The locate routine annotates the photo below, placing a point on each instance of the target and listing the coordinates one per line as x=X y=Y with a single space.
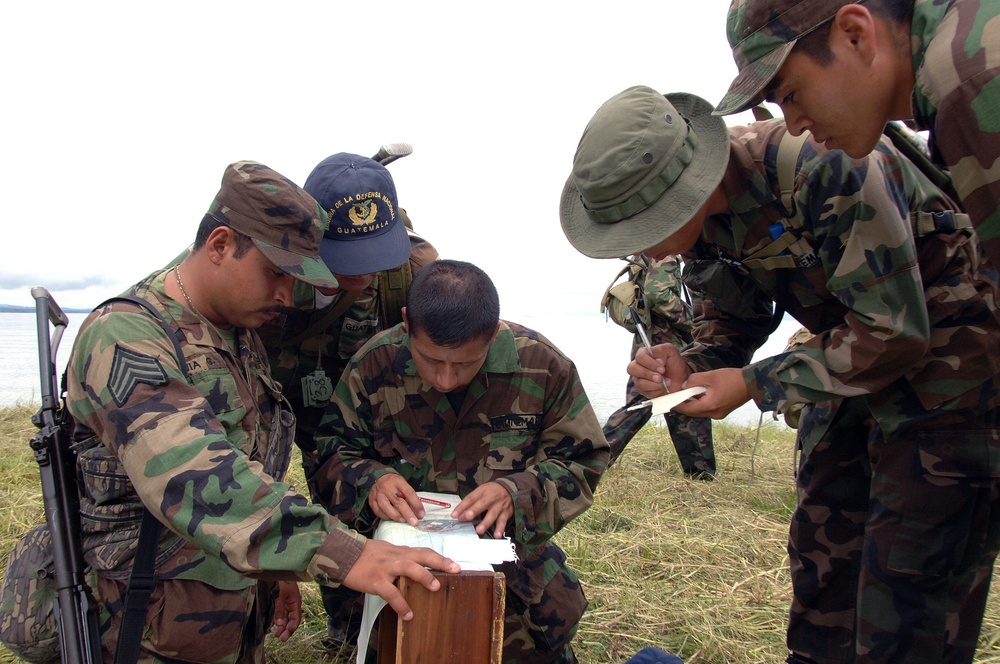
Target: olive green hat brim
x=672 y=210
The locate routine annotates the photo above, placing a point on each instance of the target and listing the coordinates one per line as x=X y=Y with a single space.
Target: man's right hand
x=381 y=563
x=647 y=371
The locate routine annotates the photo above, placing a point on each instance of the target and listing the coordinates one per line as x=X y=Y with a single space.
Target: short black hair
x=816 y=44
x=209 y=223
x=453 y=303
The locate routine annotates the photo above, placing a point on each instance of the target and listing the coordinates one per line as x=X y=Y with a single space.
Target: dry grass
x=694 y=568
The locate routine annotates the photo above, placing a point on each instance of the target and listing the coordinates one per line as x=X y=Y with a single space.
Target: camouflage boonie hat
x=284 y=221
x=27 y=599
x=762 y=33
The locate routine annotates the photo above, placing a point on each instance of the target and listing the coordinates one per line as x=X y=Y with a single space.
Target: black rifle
x=76 y=610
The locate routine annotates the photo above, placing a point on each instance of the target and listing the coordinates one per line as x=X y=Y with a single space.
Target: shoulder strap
x=335 y=312
x=392 y=288
x=788 y=157
x=142 y=580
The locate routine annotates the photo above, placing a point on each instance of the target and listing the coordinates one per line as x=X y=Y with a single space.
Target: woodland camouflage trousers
x=892 y=543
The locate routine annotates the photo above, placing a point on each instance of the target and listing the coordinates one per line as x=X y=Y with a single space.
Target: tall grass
x=695 y=568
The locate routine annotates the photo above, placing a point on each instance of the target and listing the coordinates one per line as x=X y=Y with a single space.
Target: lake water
x=599 y=347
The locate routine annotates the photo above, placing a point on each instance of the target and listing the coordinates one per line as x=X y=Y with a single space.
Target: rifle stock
x=76 y=610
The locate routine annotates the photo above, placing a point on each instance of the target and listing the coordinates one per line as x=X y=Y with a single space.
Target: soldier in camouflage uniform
x=455 y=400
x=669 y=321
x=371 y=250
x=204 y=446
x=842 y=70
x=896 y=530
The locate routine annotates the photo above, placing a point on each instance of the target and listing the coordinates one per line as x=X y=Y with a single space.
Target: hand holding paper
x=665 y=403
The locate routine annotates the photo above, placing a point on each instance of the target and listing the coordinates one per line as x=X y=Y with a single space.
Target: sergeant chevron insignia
x=129 y=369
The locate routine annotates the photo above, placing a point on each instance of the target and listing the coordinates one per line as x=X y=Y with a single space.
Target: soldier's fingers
x=395 y=599
x=405 y=512
x=501 y=523
x=412 y=501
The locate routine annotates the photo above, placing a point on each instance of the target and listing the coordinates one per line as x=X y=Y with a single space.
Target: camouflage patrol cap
x=284 y=221
x=646 y=163
x=762 y=33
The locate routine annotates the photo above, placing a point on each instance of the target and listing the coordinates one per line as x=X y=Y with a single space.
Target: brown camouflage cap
x=762 y=33
x=284 y=221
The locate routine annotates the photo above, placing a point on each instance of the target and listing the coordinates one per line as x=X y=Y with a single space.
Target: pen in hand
x=429 y=501
x=645 y=340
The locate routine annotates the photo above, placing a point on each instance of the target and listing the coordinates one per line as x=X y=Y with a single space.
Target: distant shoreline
x=15 y=309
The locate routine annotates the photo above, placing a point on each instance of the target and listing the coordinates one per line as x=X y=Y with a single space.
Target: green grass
x=694 y=568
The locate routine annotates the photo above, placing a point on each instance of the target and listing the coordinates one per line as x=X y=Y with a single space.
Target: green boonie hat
x=284 y=221
x=762 y=33
x=646 y=163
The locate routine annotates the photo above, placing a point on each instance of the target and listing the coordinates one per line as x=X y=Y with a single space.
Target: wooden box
x=461 y=623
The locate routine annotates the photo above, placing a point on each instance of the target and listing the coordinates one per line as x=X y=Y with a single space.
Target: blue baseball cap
x=366 y=232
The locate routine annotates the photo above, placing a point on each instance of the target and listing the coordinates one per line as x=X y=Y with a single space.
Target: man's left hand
x=493 y=502
x=287 y=610
x=725 y=392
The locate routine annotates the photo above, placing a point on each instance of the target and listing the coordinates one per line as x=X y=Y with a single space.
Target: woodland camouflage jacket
x=915 y=341
x=525 y=423
x=204 y=450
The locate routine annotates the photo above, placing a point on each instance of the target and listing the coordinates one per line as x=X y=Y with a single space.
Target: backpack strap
x=394 y=284
x=788 y=158
x=789 y=249
x=142 y=580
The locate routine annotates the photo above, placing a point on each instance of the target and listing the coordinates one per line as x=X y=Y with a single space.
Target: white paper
x=439 y=531
x=665 y=403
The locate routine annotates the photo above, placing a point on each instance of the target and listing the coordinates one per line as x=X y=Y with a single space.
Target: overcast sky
x=120 y=118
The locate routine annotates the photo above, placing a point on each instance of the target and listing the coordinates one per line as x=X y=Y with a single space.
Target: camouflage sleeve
x=857 y=214
x=349 y=463
x=572 y=456
x=125 y=384
x=721 y=340
x=957 y=97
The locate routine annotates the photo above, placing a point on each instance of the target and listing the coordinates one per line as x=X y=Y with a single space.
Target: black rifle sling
x=142 y=580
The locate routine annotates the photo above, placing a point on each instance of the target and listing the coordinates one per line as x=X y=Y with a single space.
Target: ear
x=854 y=27
x=495 y=333
x=406 y=322
x=220 y=243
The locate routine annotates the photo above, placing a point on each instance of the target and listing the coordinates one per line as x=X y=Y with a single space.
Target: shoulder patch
x=129 y=369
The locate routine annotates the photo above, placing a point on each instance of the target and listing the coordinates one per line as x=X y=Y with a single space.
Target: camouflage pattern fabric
x=525 y=423
x=792 y=412
x=956 y=65
x=892 y=543
x=906 y=336
x=205 y=453
x=27 y=599
x=669 y=322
